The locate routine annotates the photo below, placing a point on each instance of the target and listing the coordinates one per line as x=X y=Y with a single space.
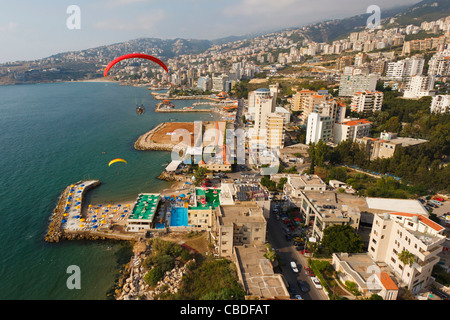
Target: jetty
x=161 y=107
x=69 y=220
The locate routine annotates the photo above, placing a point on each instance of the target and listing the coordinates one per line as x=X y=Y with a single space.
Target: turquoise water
x=54 y=135
x=179 y=217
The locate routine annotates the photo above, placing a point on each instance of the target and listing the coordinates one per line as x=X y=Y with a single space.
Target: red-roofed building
x=389 y=289
x=351 y=130
x=397 y=231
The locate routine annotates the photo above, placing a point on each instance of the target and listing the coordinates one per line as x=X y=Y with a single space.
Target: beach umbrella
x=81 y=225
x=67 y=208
x=95 y=220
x=65 y=214
x=90 y=206
x=125 y=210
x=95 y=227
x=103 y=221
x=119 y=205
x=99 y=205
x=71 y=194
x=106 y=210
x=82 y=219
x=104 y=216
x=109 y=206
x=122 y=216
x=64 y=221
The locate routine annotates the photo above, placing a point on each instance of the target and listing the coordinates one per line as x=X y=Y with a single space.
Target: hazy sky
x=33 y=29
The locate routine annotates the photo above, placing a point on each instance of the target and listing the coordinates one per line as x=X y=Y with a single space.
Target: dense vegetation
x=342 y=238
x=211 y=279
x=423 y=167
x=208 y=278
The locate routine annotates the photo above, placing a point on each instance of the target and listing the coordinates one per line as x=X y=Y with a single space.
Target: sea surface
x=53 y=135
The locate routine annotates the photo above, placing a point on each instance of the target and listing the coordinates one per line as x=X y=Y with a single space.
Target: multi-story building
x=218 y=83
x=366 y=101
x=440 y=104
x=439 y=64
x=237 y=225
x=419 y=86
x=395 y=232
x=354 y=83
x=319 y=128
x=275 y=131
x=298 y=99
x=386 y=145
x=297 y=183
x=351 y=130
x=405 y=68
x=254 y=98
x=204 y=83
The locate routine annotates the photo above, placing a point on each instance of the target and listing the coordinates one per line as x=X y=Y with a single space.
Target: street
x=287 y=252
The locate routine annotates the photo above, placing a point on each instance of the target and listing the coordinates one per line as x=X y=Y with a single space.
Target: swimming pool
x=179 y=217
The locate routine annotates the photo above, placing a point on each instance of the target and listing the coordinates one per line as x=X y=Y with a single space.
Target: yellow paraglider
x=116 y=160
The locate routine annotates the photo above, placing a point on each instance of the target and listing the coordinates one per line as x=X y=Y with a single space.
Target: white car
x=294 y=266
x=316 y=282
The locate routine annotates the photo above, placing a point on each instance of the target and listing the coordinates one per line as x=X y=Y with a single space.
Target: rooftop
x=257 y=274
x=145 y=207
x=400 y=205
x=356 y=122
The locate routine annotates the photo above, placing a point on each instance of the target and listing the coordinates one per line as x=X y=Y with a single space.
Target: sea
x=53 y=135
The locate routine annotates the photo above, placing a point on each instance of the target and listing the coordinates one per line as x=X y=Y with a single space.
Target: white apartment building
x=439 y=64
x=440 y=104
x=397 y=231
x=354 y=83
x=366 y=101
x=255 y=97
x=319 y=128
x=405 y=68
x=351 y=130
x=218 y=83
x=263 y=106
x=419 y=86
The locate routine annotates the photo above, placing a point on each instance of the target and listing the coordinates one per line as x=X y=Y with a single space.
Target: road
x=287 y=252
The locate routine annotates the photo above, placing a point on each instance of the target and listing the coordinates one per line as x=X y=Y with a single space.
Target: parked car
x=309 y=272
x=294 y=266
x=303 y=286
x=439 y=199
x=316 y=282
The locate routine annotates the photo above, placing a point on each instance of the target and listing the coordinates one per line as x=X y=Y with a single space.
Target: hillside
x=426 y=10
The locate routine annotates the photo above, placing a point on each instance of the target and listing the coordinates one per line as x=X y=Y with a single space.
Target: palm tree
x=407 y=258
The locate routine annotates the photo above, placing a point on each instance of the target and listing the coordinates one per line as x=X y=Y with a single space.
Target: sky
x=31 y=29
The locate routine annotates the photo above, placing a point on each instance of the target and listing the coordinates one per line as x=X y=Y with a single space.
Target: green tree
x=199 y=175
x=342 y=238
x=406 y=258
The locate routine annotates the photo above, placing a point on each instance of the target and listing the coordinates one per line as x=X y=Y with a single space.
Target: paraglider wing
x=116 y=160
x=134 y=55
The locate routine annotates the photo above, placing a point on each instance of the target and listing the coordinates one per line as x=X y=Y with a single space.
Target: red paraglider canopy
x=134 y=55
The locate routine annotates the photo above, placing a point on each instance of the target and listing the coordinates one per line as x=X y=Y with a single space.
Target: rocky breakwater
x=134 y=286
x=55 y=232
x=146 y=142
x=170 y=176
